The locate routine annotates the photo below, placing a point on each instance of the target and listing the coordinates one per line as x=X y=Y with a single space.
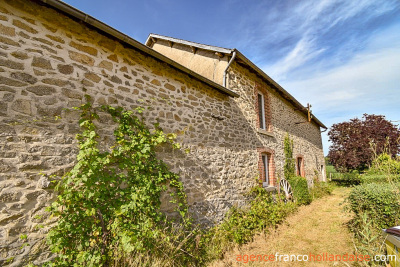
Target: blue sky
x=342 y=56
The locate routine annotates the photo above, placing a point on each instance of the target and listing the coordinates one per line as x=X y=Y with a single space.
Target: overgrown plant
x=375 y=204
x=300 y=189
x=109 y=203
x=289 y=167
x=241 y=224
x=384 y=164
x=321 y=189
x=299 y=184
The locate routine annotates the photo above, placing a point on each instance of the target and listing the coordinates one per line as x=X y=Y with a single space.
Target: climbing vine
x=110 y=201
x=289 y=167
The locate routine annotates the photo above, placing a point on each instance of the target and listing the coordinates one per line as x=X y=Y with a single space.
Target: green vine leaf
x=109 y=202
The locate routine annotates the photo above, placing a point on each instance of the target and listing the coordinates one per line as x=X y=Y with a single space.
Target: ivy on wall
x=289 y=166
x=110 y=201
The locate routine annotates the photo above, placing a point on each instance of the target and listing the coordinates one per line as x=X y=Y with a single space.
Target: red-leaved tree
x=354 y=141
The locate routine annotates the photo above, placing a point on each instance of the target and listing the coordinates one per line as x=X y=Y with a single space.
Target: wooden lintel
x=170 y=43
x=219 y=54
x=194 y=49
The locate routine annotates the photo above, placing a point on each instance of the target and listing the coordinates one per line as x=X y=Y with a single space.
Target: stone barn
x=229 y=114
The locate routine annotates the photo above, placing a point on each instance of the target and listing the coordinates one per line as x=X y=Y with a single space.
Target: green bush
x=385 y=164
x=289 y=166
x=108 y=206
x=380 y=202
x=346 y=179
x=379 y=178
x=301 y=193
x=321 y=189
x=241 y=224
x=376 y=204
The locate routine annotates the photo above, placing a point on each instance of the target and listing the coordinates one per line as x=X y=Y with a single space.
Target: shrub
x=108 y=205
x=380 y=202
x=321 y=189
x=241 y=224
x=375 y=206
x=346 y=179
x=378 y=178
x=385 y=164
x=301 y=193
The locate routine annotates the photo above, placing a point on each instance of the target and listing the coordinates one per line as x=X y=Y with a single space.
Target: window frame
x=261 y=111
x=269 y=155
x=265 y=161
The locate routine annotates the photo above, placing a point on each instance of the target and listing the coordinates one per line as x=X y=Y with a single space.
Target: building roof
x=78 y=15
x=240 y=59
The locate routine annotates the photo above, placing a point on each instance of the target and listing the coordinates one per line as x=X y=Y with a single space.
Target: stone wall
x=47 y=63
x=281 y=116
x=284 y=118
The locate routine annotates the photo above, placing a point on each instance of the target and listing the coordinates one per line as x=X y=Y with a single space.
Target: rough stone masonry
x=49 y=61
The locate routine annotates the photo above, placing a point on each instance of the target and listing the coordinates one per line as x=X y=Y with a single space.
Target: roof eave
x=102 y=27
x=285 y=94
x=153 y=36
x=279 y=88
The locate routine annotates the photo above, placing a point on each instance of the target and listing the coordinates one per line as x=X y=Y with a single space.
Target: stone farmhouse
x=229 y=114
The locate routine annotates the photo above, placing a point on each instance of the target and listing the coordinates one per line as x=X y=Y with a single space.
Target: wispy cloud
x=306 y=29
x=367 y=83
x=304 y=51
x=343 y=56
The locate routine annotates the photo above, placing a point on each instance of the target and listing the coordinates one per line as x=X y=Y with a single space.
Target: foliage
x=378 y=178
x=375 y=204
x=385 y=164
x=241 y=224
x=289 y=167
x=347 y=179
x=301 y=193
x=379 y=202
x=330 y=169
x=321 y=189
x=352 y=140
x=178 y=246
x=109 y=203
x=368 y=237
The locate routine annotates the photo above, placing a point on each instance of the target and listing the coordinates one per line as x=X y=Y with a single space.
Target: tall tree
x=354 y=142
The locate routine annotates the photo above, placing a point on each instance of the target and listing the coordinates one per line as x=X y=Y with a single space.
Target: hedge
x=378 y=178
x=379 y=201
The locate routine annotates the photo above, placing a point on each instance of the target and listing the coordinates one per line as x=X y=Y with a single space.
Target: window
x=263 y=108
x=266 y=167
x=265 y=175
x=300 y=166
x=261 y=112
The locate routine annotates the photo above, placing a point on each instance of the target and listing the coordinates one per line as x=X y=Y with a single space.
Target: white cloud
x=328 y=53
x=297 y=26
x=370 y=79
x=367 y=83
x=303 y=51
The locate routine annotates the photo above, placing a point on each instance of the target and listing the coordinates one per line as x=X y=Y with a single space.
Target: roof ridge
x=153 y=36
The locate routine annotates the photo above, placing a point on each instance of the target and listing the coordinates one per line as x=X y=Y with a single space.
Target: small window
x=261 y=111
x=265 y=170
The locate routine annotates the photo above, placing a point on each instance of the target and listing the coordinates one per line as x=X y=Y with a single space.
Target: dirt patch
x=313 y=230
